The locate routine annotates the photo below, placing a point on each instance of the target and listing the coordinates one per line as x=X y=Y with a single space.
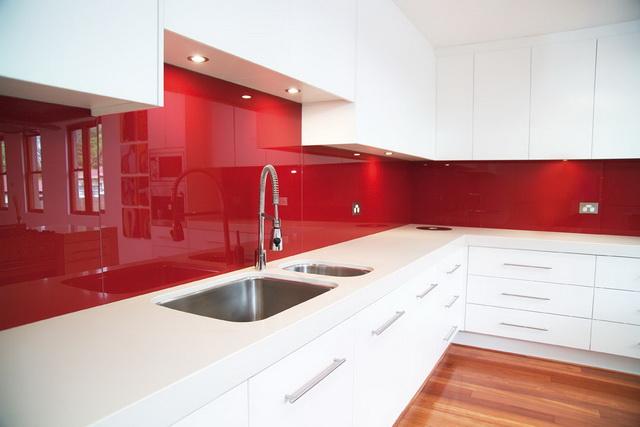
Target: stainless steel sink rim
x=247 y=298
x=321 y=268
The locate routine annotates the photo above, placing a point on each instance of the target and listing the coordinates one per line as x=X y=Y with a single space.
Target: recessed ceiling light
x=294 y=171
x=446 y=164
x=292 y=90
x=388 y=153
x=246 y=97
x=198 y=59
x=356 y=154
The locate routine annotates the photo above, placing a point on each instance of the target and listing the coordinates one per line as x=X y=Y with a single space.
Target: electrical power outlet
x=588 y=208
x=355 y=208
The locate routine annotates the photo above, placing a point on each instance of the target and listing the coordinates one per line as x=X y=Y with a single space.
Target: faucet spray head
x=276 y=232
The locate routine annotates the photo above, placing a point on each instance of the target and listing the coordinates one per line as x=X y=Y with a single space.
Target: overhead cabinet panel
x=84 y=54
x=501 y=104
x=616 y=124
x=562 y=80
x=454 y=107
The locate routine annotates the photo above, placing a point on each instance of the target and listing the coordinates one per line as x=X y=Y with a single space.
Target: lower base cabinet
x=364 y=371
x=529 y=326
x=311 y=387
x=616 y=338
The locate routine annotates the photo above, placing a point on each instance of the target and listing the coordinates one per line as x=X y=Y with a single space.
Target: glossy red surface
x=205 y=126
x=48 y=260
x=532 y=195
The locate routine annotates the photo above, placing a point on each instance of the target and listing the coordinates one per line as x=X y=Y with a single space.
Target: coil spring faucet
x=276 y=232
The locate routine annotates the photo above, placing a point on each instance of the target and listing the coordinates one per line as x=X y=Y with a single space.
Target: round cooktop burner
x=433 y=228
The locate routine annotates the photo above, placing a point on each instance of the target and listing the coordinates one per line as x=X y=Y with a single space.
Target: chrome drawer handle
x=524 y=327
x=424 y=294
x=507 y=294
x=541 y=267
x=291 y=398
x=450 y=334
x=388 y=323
x=453 y=270
x=453 y=301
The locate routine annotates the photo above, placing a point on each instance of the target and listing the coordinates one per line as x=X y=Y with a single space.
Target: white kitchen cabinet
x=616 y=128
x=84 y=54
x=312 y=386
x=454 y=107
x=618 y=273
x=384 y=364
x=554 y=267
x=542 y=297
x=395 y=84
x=617 y=306
x=311 y=41
x=562 y=79
x=529 y=326
x=616 y=338
x=394 y=107
x=502 y=84
x=228 y=410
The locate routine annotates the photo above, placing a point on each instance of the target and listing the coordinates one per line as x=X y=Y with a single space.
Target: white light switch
x=355 y=208
x=589 y=208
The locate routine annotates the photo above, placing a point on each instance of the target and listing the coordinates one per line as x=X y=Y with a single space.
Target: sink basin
x=139 y=278
x=326 y=269
x=248 y=299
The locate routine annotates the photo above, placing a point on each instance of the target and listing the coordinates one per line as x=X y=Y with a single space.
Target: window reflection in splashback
x=105 y=186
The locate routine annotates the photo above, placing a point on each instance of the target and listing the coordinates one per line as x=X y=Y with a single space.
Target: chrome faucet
x=276 y=233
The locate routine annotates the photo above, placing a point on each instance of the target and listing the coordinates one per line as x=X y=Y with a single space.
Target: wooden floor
x=475 y=387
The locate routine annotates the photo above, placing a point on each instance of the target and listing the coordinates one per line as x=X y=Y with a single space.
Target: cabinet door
x=454 y=107
x=311 y=387
x=395 y=85
x=616 y=128
x=103 y=52
x=384 y=362
x=228 y=410
x=501 y=105
x=562 y=79
x=323 y=44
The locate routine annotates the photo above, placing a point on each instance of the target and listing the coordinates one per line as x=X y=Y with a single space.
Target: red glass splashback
x=221 y=141
x=214 y=144
x=531 y=195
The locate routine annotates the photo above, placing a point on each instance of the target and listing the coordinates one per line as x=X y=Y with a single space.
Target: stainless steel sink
x=326 y=269
x=248 y=299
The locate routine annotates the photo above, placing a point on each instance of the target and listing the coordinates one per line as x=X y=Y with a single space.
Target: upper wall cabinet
x=501 y=104
x=308 y=40
x=84 y=54
x=454 y=107
x=572 y=95
x=617 y=103
x=395 y=85
x=394 y=107
x=562 y=78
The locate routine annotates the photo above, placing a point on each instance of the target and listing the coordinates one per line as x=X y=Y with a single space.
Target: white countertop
x=133 y=360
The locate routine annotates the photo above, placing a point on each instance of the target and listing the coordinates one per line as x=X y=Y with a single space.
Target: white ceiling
x=455 y=22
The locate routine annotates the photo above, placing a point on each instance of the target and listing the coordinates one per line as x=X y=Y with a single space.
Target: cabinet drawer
x=529 y=326
x=618 y=273
x=228 y=410
x=312 y=386
x=551 y=298
x=617 y=306
x=554 y=267
x=616 y=338
x=453 y=266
